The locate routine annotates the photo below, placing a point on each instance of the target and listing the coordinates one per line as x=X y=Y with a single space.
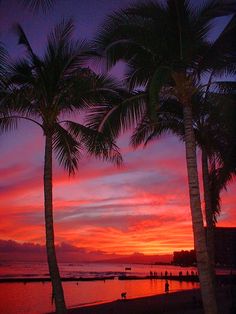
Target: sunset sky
x=141 y=207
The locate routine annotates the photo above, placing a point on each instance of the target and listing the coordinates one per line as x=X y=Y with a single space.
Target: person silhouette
x=167 y=286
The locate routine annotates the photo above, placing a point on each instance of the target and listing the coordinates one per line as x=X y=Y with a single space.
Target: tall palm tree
x=212 y=135
x=46 y=91
x=223 y=169
x=167 y=51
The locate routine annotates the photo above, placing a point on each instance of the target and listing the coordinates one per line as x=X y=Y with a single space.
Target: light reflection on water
x=39 y=269
x=36 y=269
x=35 y=298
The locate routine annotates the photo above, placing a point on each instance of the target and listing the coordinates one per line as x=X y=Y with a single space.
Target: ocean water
x=36 y=298
x=85 y=270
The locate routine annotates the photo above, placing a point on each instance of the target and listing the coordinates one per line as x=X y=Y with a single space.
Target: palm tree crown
x=47 y=89
x=166 y=48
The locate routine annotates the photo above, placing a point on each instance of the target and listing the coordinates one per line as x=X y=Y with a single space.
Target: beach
x=183 y=302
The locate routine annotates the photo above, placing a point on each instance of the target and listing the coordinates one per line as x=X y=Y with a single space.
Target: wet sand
x=184 y=302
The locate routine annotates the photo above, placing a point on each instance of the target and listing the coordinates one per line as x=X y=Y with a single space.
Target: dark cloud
x=66 y=253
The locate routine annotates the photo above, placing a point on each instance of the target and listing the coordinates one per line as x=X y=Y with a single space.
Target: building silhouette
x=225 y=246
x=184 y=258
x=225 y=249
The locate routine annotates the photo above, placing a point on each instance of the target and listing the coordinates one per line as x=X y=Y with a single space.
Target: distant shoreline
x=226 y=279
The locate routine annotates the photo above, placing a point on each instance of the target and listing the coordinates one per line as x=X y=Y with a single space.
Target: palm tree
x=212 y=135
x=223 y=169
x=167 y=51
x=216 y=137
x=45 y=90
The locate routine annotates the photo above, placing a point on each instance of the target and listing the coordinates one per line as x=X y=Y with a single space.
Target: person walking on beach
x=167 y=286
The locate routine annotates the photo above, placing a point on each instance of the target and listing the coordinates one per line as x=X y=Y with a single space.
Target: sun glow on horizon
x=142 y=207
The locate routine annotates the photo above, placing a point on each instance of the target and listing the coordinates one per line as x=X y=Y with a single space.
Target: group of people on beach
x=154 y=274
x=166 y=274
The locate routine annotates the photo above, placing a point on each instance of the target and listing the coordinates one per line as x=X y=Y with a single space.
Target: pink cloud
x=143 y=206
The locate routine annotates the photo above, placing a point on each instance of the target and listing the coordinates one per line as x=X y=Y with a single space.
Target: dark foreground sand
x=184 y=302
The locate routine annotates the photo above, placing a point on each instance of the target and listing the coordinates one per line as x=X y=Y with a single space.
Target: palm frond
x=226 y=87
x=99 y=89
x=124 y=34
x=215 y=194
x=37 y=5
x=112 y=119
x=61 y=36
x=219 y=180
x=7 y=123
x=21 y=72
x=88 y=90
x=23 y=40
x=95 y=143
x=169 y=120
x=63 y=63
x=221 y=53
x=211 y=9
x=4 y=61
x=67 y=149
x=160 y=78
x=17 y=103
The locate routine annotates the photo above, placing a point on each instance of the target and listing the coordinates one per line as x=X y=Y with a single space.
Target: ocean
x=85 y=270
x=36 y=297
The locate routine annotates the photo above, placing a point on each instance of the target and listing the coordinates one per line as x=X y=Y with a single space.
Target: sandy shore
x=184 y=302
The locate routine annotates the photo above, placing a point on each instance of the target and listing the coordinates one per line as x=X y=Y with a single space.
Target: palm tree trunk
x=210 y=228
x=48 y=207
x=207 y=289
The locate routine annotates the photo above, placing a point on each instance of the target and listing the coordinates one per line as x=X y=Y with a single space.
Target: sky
x=142 y=207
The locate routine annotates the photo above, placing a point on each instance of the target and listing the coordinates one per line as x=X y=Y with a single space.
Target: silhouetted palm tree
x=212 y=135
x=45 y=90
x=223 y=169
x=167 y=51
